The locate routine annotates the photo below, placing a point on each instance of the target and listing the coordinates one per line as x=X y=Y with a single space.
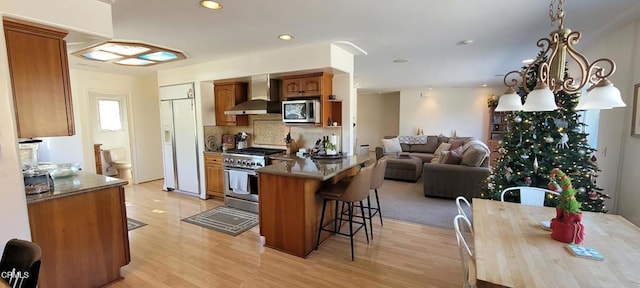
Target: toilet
x=116 y=158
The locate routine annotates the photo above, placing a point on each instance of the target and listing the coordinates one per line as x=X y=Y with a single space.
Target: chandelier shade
x=509 y=101
x=540 y=99
x=601 y=96
x=552 y=75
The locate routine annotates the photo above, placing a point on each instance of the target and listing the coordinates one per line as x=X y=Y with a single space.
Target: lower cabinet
x=214 y=174
x=83 y=237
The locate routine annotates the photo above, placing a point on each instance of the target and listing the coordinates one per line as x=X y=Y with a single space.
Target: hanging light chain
x=559 y=15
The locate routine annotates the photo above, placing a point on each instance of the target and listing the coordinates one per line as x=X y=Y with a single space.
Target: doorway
x=110 y=127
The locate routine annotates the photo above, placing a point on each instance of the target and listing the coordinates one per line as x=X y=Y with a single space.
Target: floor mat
x=225 y=219
x=134 y=224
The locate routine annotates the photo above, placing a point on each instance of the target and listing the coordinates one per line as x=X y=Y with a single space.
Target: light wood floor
x=171 y=253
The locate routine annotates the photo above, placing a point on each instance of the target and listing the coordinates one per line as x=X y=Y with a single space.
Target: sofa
x=458 y=168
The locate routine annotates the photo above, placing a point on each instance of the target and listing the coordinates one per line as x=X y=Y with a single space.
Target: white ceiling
x=425 y=32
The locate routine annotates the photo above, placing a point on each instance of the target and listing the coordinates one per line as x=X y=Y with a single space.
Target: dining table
x=513 y=249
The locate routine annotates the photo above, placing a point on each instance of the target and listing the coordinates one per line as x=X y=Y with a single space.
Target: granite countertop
x=307 y=167
x=82 y=182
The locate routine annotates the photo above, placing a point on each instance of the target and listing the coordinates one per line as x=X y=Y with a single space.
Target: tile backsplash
x=269 y=131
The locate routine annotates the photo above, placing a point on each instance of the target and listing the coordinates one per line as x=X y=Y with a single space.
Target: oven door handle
x=249 y=172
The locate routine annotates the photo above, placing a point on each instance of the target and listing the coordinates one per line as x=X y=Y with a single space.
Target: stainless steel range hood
x=264 y=98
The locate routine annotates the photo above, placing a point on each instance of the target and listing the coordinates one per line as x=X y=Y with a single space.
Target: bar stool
x=20 y=263
x=377 y=178
x=348 y=192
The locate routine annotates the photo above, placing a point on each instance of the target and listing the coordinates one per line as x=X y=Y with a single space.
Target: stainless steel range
x=240 y=178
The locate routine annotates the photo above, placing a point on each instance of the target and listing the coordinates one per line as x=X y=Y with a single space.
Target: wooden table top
x=512 y=249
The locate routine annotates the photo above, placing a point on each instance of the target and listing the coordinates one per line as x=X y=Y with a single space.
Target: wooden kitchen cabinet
x=83 y=237
x=39 y=69
x=307 y=85
x=227 y=95
x=315 y=86
x=214 y=174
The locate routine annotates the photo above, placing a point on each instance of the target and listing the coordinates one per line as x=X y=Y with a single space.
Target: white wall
x=618 y=152
x=87 y=16
x=441 y=111
x=144 y=118
x=303 y=58
x=379 y=116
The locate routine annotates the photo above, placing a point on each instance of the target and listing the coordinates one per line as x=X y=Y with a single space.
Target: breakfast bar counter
x=81 y=227
x=289 y=209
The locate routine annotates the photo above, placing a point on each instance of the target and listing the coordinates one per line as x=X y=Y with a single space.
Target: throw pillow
x=455 y=143
x=451 y=157
x=432 y=144
x=391 y=145
x=473 y=157
x=438 y=152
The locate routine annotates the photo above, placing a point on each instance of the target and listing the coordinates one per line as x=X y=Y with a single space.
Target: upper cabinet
x=316 y=86
x=39 y=69
x=307 y=85
x=227 y=95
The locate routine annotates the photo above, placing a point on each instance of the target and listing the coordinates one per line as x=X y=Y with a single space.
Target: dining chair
x=529 y=195
x=20 y=264
x=467 y=258
x=459 y=201
x=348 y=192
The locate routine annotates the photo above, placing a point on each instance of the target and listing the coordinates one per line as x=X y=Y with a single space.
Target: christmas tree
x=538 y=142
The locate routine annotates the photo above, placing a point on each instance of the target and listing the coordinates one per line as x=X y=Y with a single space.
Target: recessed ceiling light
x=213 y=5
x=484 y=85
x=527 y=61
x=399 y=61
x=285 y=37
x=466 y=42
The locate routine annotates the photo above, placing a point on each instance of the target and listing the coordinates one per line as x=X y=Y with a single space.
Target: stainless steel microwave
x=301 y=111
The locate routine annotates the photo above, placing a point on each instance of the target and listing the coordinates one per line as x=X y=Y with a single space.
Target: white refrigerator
x=179 y=139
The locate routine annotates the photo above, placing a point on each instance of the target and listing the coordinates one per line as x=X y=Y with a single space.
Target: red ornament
x=593 y=195
x=593 y=158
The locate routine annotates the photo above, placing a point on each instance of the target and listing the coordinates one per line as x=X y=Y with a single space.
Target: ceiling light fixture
x=466 y=42
x=213 y=5
x=285 y=37
x=551 y=74
x=129 y=53
x=400 y=61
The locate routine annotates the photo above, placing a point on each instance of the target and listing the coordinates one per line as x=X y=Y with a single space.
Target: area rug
x=405 y=201
x=225 y=219
x=134 y=224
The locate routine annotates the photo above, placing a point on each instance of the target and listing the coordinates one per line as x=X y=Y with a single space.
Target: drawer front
x=210 y=159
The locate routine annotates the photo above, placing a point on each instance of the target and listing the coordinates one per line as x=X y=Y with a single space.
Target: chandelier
x=551 y=74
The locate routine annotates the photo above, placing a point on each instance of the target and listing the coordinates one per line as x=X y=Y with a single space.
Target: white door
x=186 y=145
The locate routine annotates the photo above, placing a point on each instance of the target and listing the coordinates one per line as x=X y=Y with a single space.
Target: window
x=109 y=114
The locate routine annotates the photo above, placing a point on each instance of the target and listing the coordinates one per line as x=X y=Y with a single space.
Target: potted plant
x=566 y=226
x=330 y=148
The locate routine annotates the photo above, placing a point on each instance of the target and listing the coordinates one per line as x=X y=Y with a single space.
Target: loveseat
x=459 y=167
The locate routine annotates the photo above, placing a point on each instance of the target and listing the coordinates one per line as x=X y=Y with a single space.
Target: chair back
x=358 y=188
x=20 y=263
x=467 y=258
x=530 y=195
x=459 y=201
x=377 y=178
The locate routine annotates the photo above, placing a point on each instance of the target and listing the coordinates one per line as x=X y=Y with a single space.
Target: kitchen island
x=81 y=227
x=290 y=210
